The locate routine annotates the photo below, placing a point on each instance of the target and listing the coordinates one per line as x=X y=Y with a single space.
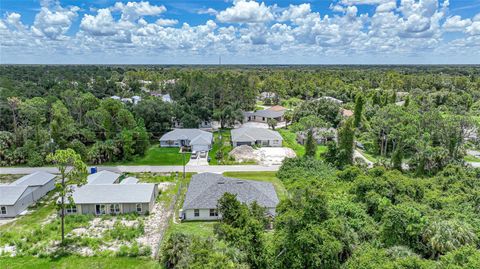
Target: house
x=19 y=195
x=127 y=100
x=136 y=99
x=321 y=135
x=274 y=112
x=106 y=193
x=256 y=136
x=205 y=189
x=195 y=139
x=346 y=112
x=332 y=99
x=114 y=97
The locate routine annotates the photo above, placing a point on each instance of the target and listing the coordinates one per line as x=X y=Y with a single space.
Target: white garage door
x=200 y=148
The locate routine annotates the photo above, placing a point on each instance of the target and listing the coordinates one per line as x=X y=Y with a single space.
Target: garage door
x=198 y=148
x=244 y=143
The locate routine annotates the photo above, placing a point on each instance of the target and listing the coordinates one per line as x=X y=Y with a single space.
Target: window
x=196 y=212
x=100 y=209
x=71 y=209
x=263 y=118
x=3 y=210
x=213 y=213
x=139 y=208
x=114 y=208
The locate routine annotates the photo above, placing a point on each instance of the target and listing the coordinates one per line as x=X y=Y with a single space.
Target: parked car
x=194 y=155
x=203 y=154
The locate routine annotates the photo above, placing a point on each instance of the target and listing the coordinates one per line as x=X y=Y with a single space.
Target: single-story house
x=321 y=135
x=19 y=195
x=332 y=99
x=256 y=136
x=346 y=112
x=195 y=139
x=205 y=189
x=100 y=197
x=274 y=112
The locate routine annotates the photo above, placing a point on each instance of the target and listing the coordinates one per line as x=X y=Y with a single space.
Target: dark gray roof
x=205 y=189
x=10 y=194
x=35 y=179
x=196 y=136
x=251 y=134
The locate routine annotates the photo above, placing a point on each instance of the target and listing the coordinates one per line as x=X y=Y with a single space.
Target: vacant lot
x=73 y=262
x=156 y=155
x=289 y=141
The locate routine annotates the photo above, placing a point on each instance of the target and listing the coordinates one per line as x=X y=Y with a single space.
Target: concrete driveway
x=199 y=161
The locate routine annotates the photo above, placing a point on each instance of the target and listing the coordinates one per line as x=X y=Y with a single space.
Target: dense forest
x=45 y=108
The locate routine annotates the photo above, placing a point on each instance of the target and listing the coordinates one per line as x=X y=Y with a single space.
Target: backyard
x=289 y=141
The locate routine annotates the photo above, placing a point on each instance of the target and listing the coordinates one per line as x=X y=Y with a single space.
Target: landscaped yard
x=157 y=155
x=470 y=158
x=289 y=141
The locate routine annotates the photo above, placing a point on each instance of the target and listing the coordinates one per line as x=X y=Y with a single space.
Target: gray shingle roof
x=269 y=113
x=246 y=134
x=113 y=193
x=205 y=189
x=35 y=179
x=102 y=177
x=9 y=194
x=194 y=135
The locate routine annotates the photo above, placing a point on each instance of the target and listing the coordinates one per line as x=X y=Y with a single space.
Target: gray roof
x=269 y=113
x=196 y=136
x=246 y=134
x=103 y=177
x=205 y=189
x=35 y=179
x=113 y=193
x=129 y=180
x=9 y=194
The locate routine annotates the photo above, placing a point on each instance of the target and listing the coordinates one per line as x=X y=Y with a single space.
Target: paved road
x=157 y=169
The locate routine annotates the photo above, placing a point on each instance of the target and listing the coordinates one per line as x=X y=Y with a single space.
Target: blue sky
x=241 y=32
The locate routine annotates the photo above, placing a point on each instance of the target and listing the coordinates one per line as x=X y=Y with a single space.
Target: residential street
x=147 y=168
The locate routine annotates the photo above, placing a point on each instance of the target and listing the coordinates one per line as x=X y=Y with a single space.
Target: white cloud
x=244 y=11
x=474 y=29
x=209 y=11
x=134 y=10
x=456 y=24
x=53 y=23
x=166 y=22
x=295 y=11
x=295 y=31
x=102 y=24
x=386 y=7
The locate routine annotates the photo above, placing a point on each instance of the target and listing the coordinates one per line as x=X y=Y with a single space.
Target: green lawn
x=156 y=155
x=75 y=262
x=266 y=176
x=369 y=157
x=470 y=158
x=290 y=141
x=198 y=228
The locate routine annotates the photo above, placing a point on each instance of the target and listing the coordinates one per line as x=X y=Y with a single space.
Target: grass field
x=470 y=158
x=289 y=141
x=223 y=144
x=156 y=155
x=75 y=262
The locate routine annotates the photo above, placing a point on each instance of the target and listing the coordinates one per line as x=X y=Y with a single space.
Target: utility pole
x=183 y=154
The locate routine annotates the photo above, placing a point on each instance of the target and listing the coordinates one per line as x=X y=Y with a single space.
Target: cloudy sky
x=240 y=31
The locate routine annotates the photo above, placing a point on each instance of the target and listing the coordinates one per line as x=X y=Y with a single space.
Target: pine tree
x=310 y=145
x=359 y=103
x=346 y=139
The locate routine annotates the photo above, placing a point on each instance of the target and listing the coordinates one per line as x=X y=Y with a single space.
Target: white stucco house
x=107 y=193
x=256 y=136
x=205 y=189
x=24 y=192
x=196 y=139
